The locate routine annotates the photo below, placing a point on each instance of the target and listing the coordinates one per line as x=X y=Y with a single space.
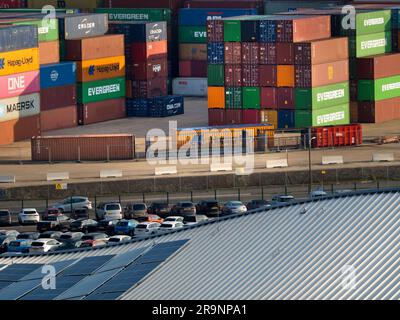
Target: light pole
x=310 y=139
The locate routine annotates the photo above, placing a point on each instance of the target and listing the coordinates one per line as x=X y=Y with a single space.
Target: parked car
x=342 y=192
x=191 y=220
x=69 y=245
x=71 y=237
x=282 y=199
x=51 y=212
x=134 y=210
x=174 y=219
x=184 y=208
x=169 y=226
x=109 y=211
x=234 y=207
x=80 y=213
x=107 y=226
x=257 y=204
x=69 y=204
x=151 y=218
x=95 y=236
x=6 y=236
x=125 y=227
x=20 y=246
x=54 y=223
x=5 y=218
x=83 y=225
x=160 y=209
x=28 y=216
x=318 y=194
x=209 y=208
x=119 y=239
x=44 y=245
x=92 y=243
x=147 y=228
x=50 y=235
x=28 y=235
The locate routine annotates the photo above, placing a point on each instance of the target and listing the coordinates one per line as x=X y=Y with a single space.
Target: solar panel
x=122 y=260
x=18 y=289
x=4 y=284
x=86 y=265
x=105 y=296
x=17 y=271
x=58 y=266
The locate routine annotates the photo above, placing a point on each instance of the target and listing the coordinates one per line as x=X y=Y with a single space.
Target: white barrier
x=160 y=171
x=332 y=160
x=277 y=163
x=380 y=157
x=216 y=167
x=111 y=174
x=7 y=179
x=57 y=176
x=243 y=171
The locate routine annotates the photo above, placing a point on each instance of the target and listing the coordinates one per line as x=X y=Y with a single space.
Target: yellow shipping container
x=19 y=61
x=269 y=116
x=100 y=69
x=216 y=97
x=65 y=4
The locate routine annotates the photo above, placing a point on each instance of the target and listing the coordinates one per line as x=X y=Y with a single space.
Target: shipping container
x=10 y=4
x=19 y=129
x=47 y=28
x=268 y=76
x=100 y=69
x=82 y=25
x=148 y=70
x=19 y=61
x=146 y=88
x=216 y=74
x=144 y=52
x=240 y=29
x=379 y=111
x=250 y=75
x=286 y=119
x=84 y=147
x=381 y=66
x=321 y=51
x=101 y=111
x=59 y=118
x=268 y=54
x=246 y=4
x=65 y=4
x=57 y=75
x=19 y=107
x=354 y=112
x=370 y=44
x=216 y=97
x=58 y=97
x=200 y=16
x=233 y=98
x=269 y=98
x=193 y=51
x=336 y=115
x=14 y=38
x=233 y=53
x=251 y=116
x=251 y=97
x=190 y=86
x=250 y=53
x=19 y=84
x=321 y=74
x=140 y=14
x=95 y=91
x=322 y=97
x=111 y=45
x=285 y=76
x=233 y=117
x=233 y=75
x=192 y=34
x=140 y=31
x=273 y=6
x=215 y=52
x=215 y=31
x=216 y=117
x=267 y=31
x=270 y=117
x=49 y=52
x=379 y=89
x=285 y=97
x=284 y=53
x=337 y=136
x=167 y=106
x=137 y=107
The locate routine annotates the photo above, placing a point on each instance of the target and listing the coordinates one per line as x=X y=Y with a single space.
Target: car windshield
x=113 y=207
x=37 y=244
x=86 y=244
x=114 y=240
x=4 y=213
x=190 y=219
x=122 y=224
x=24 y=236
x=51 y=218
x=88 y=237
x=286 y=199
x=187 y=205
x=166 y=225
x=52 y=211
x=141 y=226
x=139 y=207
x=15 y=244
x=212 y=204
x=236 y=204
x=160 y=205
x=76 y=223
x=29 y=212
x=65 y=237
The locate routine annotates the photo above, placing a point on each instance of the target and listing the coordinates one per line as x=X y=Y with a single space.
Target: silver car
x=72 y=203
x=234 y=207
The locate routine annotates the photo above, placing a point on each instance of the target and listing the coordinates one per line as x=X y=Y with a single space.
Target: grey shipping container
x=82 y=25
x=141 y=31
x=18 y=37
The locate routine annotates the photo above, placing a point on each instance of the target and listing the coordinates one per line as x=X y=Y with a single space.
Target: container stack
x=19 y=83
x=100 y=62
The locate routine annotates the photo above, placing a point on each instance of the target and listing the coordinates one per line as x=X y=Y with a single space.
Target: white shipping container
x=190 y=87
x=19 y=107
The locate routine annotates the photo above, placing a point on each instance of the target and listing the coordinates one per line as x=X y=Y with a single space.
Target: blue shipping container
x=167 y=106
x=267 y=31
x=137 y=107
x=215 y=52
x=199 y=16
x=286 y=119
x=57 y=74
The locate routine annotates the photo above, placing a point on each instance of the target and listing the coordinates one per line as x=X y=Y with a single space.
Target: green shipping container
x=336 y=115
x=127 y=14
x=233 y=98
x=322 y=97
x=192 y=34
x=251 y=97
x=373 y=22
x=216 y=75
x=95 y=91
x=47 y=28
x=232 y=31
x=370 y=44
x=379 y=89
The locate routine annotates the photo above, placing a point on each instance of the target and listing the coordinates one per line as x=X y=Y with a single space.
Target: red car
x=51 y=212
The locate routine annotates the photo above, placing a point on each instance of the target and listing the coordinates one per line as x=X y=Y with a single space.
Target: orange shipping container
x=100 y=69
x=216 y=97
x=269 y=116
x=49 y=52
x=19 y=129
x=285 y=76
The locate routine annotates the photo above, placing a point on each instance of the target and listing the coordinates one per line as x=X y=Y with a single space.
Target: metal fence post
x=238 y=194
x=144 y=197
x=262 y=193
x=71 y=203
x=47 y=203
x=22 y=204
x=167 y=197
x=108 y=153
x=79 y=154
x=377 y=184
x=119 y=199
x=355 y=186
x=215 y=194
x=332 y=188
x=191 y=196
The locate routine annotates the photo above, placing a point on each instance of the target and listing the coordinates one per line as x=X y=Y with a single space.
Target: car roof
x=28 y=209
x=175 y=217
x=44 y=240
x=119 y=237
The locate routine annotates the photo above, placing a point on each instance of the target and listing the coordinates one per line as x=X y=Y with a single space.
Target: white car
x=174 y=219
x=28 y=216
x=44 y=245
x=109 y=211
x=72 y=203
x=119 y=239
x=169 y=226
x=146 y=228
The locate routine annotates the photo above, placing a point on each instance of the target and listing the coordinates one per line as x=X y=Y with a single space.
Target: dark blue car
x=126 y=227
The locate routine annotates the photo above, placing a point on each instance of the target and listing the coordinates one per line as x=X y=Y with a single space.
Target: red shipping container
x=58 y=97
x=233 y=75
x=148 y=51
x=60 y=118
x=285 y=98
x=251 y=117
x=19 y=129
x=148 y=70
x=268 y=76
x=268 y=53
x=252 y=4
x=250 y=75
x=216 y=117
x=284 y=53
x=269 y=98
x=193 y=68
x=233 y=116
x=379 y=111
x=233 y=53
x=101 y=111
x=12 y=4
x=146 y=88
x=337 y=136
x=215 y=31
x=250 y=53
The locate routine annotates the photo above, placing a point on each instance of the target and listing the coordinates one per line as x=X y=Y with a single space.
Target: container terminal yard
x=141 y=138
